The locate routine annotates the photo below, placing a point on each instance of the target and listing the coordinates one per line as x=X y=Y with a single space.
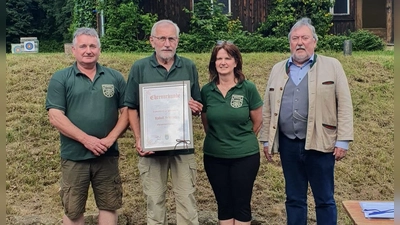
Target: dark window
x=341 y=7
x=225 y=9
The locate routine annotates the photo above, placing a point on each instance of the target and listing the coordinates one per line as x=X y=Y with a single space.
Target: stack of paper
x=378 y=209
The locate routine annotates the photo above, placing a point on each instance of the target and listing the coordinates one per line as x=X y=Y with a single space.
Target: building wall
x=254 y=12
x=250 y=12
x=345 y=23
x=169 y=9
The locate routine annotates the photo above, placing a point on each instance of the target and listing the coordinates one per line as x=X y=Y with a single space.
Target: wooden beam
x=389 y=15
x=359 y=22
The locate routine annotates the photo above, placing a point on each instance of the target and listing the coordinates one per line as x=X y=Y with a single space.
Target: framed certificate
x=165 y=116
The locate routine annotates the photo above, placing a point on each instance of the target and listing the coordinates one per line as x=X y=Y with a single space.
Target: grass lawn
x=32 y=144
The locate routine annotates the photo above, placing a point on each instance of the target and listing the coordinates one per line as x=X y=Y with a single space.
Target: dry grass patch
x=32 y=145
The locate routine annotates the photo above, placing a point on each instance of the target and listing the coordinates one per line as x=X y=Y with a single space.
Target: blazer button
x=275 y=114
x=281 y=88
x=274 y=127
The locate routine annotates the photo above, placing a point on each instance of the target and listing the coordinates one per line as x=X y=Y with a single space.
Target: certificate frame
x=165 y=116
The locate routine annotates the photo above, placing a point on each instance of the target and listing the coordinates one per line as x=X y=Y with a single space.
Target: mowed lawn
x=32 y=144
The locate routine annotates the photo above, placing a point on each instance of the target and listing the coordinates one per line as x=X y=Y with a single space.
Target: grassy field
x=32 y=145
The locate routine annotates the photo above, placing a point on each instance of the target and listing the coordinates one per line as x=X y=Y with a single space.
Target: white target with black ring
x=29 y=46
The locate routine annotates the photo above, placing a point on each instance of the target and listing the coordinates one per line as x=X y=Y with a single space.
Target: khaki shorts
x=76 y=176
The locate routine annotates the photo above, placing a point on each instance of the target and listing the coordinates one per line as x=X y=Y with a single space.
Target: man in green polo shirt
x=85 y=104
x=165 y=66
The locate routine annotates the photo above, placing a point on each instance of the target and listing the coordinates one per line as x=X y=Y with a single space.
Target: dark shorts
x=76 y=176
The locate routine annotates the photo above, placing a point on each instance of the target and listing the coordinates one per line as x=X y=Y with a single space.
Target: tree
x=84 y=14
x=46 y=20
x=284 y=13
x=19 y=20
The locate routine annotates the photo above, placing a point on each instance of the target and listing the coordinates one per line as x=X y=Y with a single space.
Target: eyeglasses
x=221 y=42
x=163 y=39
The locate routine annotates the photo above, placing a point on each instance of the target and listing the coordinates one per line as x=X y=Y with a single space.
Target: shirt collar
x=214 y=85
x=99 y=69
x=154 y=63
x=310 y=60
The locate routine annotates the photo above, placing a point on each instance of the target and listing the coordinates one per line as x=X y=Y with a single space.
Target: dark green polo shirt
x=148 y=70
x=230 y=129
x=92 y=106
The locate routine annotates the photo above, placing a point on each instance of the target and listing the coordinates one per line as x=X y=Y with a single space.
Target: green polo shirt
x=92 y=106
x=148 y=70
x=230 y=129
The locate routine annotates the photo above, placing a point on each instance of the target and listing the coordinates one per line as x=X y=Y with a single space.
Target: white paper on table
x=384 y=210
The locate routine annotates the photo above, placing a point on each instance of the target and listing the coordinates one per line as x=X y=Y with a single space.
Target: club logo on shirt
x=237 y=101
x=108 y=90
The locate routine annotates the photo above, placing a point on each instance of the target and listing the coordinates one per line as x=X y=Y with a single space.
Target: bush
x=361 y=41
x=127 y=27
x=207 y=25
x=257 y=43
x=245 y=42
x=364 y=40
x=50 y=46
x=331 y=43
x=283 y=14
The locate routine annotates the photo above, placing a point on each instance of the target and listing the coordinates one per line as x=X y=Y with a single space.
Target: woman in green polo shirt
x=231 y=116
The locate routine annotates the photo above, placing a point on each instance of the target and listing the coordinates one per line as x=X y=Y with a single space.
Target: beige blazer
x=330 y=110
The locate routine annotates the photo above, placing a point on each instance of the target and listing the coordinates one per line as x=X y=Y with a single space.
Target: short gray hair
x=86 y=31
x=304 y=22
x=153 y=29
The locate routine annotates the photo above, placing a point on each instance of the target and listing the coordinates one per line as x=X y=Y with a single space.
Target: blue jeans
x=301 y=167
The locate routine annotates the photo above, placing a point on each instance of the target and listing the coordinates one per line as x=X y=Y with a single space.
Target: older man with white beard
x=155 y=167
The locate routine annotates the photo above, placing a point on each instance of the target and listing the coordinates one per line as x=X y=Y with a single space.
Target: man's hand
x=140 y=150
x=339 y=153
x=195 y=106
x=268 y=156
x=108 y=142
x=95 y=145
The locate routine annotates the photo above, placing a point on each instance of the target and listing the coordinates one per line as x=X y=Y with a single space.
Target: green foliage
x=245 y=42
x=362 y=40
x=46 y=20
x=257 y=43
x=127 y=27
x=18 y=20
x=284 y=13
x=207 y=25
x=125 y=24
x=84 y=14
x=50 y=46
x=331 y=43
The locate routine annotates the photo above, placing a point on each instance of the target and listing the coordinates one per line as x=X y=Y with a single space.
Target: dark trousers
x=301 y=167
x=232 y=181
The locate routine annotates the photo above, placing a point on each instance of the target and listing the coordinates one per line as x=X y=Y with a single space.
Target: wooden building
x=250 y=12
x=376 y=16
x=349 y=15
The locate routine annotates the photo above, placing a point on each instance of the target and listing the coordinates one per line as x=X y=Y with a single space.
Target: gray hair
x=153 y=29
x=86 y=31
x=304 y=22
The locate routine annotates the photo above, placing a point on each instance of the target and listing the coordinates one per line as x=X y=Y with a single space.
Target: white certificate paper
x=165 y=116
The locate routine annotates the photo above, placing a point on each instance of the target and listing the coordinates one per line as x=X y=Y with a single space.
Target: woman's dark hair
x=234 y=52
